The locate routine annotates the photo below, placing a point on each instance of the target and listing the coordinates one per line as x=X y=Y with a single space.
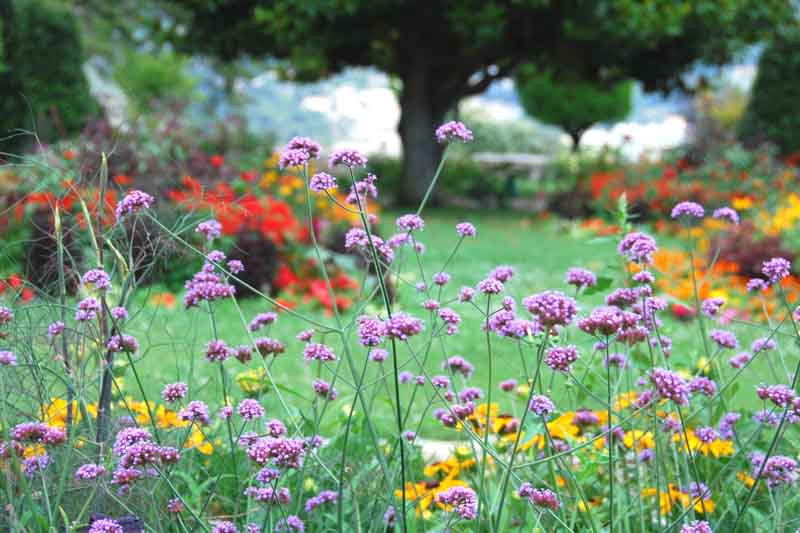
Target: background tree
x=773 y=113
x=572 y=105
x=42 y=85
x=444 y=50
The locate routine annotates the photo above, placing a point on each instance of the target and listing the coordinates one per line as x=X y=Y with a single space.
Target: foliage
x=37 y=93
x=771 y=114
x=148 y=79
x=445 y=51
x=574 y=105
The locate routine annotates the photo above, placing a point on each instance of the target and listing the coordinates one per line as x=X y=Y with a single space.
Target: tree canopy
x=573 y=105
x=442 y=51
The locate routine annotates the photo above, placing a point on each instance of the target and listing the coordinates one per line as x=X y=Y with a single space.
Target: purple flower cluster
x=410 y=222
x=250 y=409
x=370 y=331
x=321 y=182
x=539 y=497
x=87 y=309
x=89 y=472
x=697 y=526
x=123 y=343
x=724 y=339
x=55 y=329
x=776 y=471
x=98 y=279
x=261 y=320
x=195 y=411
x=560 y=358
x=133 y=202
x=281 y=452
x=218 y=351
x=638 y=247
x=210 y=229
x=726 y=213
x=348 y=158
x=465 y=229
x=689 y=210
x=581 y=278
x=206 y=286
x=453 y=131
x=7 y=358
x=780 y=395
x=402 y=326
x=326 y=496
x=462 y=500
x=541 y=405
x=703 y=385
x=267 y=346
x=552 y=308
x=669 y=385
x=318 y=352
x=711 y=306
x=776 y=269
x=105 y=525
x=38 y=433
x=324 y=390
x=269 y=495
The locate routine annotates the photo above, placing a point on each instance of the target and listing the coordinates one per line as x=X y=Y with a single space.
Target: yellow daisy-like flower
x=198 y=442
x=639 y=439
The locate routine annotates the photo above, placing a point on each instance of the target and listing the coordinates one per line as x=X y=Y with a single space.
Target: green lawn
x=540 y=252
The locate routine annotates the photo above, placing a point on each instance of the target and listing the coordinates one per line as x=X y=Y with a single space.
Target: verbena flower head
x=225 y=527
x=453 y=131
x=756 y=284
x=410 y=222
x=402 y=326
x=486 y=286
x=305 y=335
x=378 y=355
x=318 y=352
x=195 y=411
x=603 y=321
x=218 y=351
x=697 y=526
x=541 y=405
x=105 y=525
x=644 y=277
x=89 y=472
x=462 y=500
x=324 y=390
x=174 y=392
x=250 y=409
x=724 y=339
x=370 y=331
x=465 y=229
x=451 y=319
x=87 y=309
x=638 y=247
x=291 y=523
x=780 y=395
x=210 y=229
x=711 y=306
x=7 y=358
x=688 y=210
x=308 y=145
x=763 y=344
x=441 y=278
x=778 y=470
x=55 y=329
x=6 y=315
x=580 y=277
x=726 y=213
x=98 y=279
x=508 y=385
x=123 y=343
x=133 y=202
x=776 y=269
x=539 y=497
x=466 y=294
x=740 y=360
x=326 y=496
x=670 y=385
x=321 y=182
x=703 y=385
x=261 y=320
x=560 y=358
x=119 y=313
x=348 y=158
x=293 y=157
x=552 y=308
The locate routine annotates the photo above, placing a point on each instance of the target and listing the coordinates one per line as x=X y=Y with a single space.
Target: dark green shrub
x=42 y=84
x=773 y=113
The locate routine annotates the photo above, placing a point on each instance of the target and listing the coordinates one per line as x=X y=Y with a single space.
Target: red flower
x=69 y=154
x=682 y=312
x=122 y=180
x=217 y=160
x=248 y=175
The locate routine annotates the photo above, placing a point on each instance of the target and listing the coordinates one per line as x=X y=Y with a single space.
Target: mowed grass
x=540 y=252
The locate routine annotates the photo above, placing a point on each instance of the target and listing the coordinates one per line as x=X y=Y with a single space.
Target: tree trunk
x=576 y=135
x=419 y=118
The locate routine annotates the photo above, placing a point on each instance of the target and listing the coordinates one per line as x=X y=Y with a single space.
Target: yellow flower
x=742 y=202
x=745 y=478
x=36 y=450
x=640 y=439
x=624 y=400
x=252 y=381
x=198 y=441
x=167 y=419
